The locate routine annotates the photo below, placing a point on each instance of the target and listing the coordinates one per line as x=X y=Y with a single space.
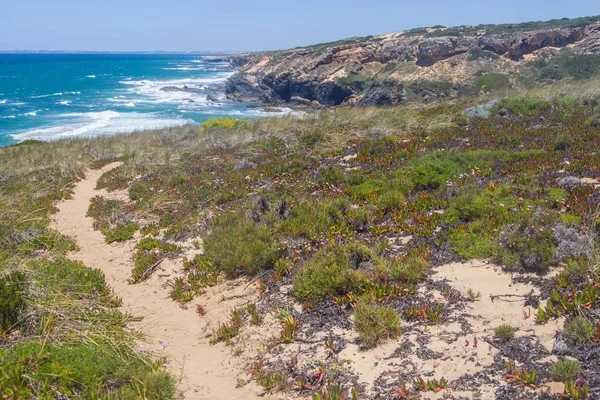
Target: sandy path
x=205 y=372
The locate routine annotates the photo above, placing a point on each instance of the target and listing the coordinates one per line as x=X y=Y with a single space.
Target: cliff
x=421 y=64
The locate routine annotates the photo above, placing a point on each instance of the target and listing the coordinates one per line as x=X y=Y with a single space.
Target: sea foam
x=101 y=123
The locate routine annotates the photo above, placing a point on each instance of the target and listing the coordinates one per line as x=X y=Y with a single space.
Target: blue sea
x=53 y=96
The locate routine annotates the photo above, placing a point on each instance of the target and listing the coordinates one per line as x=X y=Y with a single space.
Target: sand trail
x=204 y=371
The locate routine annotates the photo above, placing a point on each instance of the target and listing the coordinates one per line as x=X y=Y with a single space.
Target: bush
x=121 y=233
x=237 y=245
x=525 y=105
x=13 y=295
x=527 y=246
x=579 y=330
x=311 y=139
x=138 y=190
x=375 y=323
x=91 y=370
x=410 y=270
x=177 y=179
x=391 y=200
x=492 y=81
x=327 y=274
x=504 y=332
x=566 y=370
x=434 y=170
x=563 y=142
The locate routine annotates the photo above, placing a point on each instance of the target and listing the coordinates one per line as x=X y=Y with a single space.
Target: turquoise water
x=52 y=96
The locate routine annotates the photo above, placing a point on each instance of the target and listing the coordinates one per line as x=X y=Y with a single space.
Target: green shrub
x=492 y=81
x=237 y=245
x=504 y=332
x=121 y=233
x=563 y=142
x=13 y=296
x=312 y=219
x=579 y=330
x=524 y=105
x=391 y=200
x=312 y=138
x=72 y=277
x=331 y=174
x=375 y=323
x=88 y=370
x=101 y=208
x=177 y=179
x=410 y=270
x=327 y=274
x=138 y=190
x=433 y=170
x=143 y=261
x=150 y=229
x=566 y=370
x=381 y=146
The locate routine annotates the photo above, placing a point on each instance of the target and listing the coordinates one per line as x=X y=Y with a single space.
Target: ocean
x=53 y=96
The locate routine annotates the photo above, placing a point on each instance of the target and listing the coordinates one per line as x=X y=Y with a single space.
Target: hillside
x=364 y=253
x=423 y=64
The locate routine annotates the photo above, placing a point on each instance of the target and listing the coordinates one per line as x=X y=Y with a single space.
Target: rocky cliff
x=421 y=64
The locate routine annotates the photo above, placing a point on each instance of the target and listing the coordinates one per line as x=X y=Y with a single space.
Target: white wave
x=149 y=91
x=9 y=117
x=184 y=69
x=64 y=102
x=31 y=114
x=90 y=76
x=54 y=94
x=2 y=101
x=101 y=123
x=130 y=104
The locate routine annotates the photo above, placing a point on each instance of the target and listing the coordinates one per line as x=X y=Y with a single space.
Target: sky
x=243 y=25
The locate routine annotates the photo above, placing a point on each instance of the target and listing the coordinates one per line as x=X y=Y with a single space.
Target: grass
x=239 y=246
x=491 y=81
x=579 y=330
x=327 y=274
x=375 y=323
x=504 y=332
x=566 y=370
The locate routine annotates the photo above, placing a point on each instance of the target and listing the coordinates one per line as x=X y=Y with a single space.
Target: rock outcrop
x=384 y=70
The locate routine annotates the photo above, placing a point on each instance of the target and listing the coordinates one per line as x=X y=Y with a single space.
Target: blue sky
x=187 y=25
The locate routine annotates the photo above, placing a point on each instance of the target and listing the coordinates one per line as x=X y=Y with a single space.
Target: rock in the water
x=178 y=89
x=210 y=97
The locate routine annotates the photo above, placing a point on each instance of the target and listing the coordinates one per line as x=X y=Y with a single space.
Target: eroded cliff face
x=389 y=69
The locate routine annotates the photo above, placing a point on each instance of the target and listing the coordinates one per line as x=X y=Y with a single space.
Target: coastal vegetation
x=316 y=203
